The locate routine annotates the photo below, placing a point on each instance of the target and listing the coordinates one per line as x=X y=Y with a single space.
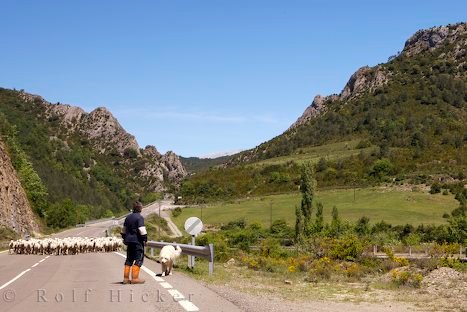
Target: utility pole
x=270 y=219
x=160 y=222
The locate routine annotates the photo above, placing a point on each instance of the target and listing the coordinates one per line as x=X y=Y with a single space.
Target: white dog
x=167 y=257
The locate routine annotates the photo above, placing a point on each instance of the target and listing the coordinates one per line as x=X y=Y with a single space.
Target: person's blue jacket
x=134 y=230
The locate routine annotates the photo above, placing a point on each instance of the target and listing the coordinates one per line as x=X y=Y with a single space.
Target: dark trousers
x=134 y=254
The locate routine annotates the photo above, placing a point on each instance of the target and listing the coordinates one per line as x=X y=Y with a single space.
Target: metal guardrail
x=205 y=252
x=97 y=221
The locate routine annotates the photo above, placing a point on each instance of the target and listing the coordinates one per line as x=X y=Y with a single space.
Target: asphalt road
x=92 y=282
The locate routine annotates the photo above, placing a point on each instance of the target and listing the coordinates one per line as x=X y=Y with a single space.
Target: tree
x=458 y=225
x=62 y=214
x=382 y=168
x=362 y=227
x=298 y=224
x=336 y=226
x=412 y=239
x=319 y=222
x=308 y=188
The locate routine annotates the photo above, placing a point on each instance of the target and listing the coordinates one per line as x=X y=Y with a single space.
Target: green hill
x=84 y=166
x=402 y=121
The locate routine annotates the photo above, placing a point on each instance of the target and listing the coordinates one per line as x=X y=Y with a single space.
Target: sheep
x=65 y=246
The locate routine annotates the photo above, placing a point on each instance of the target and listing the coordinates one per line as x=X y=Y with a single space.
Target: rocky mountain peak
x=432 y=38
x=364 y=79
x=151 y=151
x=106 y=133
x=315 y=109
x=369 y=78
x=174 y=167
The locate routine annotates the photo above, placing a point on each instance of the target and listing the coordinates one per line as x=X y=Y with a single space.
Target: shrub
x=280 y=228
x=321 y=269
x=270 y=247
x=176 y=212
x=453 y=263
x=221 y=251
x=352 y=270
x=349 y=247
x=363 y=144
x=382 y=168
x=435 y=188
x=236 y=224
x=406 y=278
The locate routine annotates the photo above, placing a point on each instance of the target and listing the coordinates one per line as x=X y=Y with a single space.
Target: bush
x=150 y=198
x=435 y=188
x=280 y=228
x=62 y=214
x=221 y=249
x=406 y=278
x=382 y=168
x=236 y=224
x=347 y=248
x=176 y=212
x=270 y=247
x=321 y=269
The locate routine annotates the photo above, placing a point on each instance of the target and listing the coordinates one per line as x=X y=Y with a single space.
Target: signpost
x=193 y=226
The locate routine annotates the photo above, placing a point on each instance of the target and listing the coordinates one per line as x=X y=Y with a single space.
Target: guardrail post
x=152 y=252
x=211 y=261
x=205 y=252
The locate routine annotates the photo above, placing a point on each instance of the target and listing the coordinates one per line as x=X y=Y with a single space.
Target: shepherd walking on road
x=134 y=237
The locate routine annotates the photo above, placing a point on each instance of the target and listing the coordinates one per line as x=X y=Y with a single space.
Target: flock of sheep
x=65 y=246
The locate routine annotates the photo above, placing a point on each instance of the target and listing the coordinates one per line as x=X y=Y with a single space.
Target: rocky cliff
x=367 y=79
x=15 y=211
x=107 y=136
x=161 y=169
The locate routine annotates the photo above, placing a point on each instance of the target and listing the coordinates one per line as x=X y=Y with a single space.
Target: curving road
x=91 y=282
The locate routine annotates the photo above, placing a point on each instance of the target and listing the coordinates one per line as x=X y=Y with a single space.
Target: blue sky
x=201 y=77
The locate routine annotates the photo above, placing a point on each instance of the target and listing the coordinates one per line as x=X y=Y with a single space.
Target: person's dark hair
x=137 y=207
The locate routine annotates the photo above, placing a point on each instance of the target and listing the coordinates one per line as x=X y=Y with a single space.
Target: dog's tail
x=178 y=249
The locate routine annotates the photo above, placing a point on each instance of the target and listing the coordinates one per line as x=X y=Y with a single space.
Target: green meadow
x=313 y=154
x=392 y=206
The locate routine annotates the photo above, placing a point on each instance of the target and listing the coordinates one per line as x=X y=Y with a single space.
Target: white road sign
x=193 y=226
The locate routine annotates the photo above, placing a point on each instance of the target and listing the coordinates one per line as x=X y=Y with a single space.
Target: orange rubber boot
x=135 y=275
x=126 y=274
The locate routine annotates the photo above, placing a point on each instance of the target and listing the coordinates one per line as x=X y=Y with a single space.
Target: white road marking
x=166 y=285
x=176 y=294
x=157 y=278
x=17 y=276
x=21 y=274
x=186 y=304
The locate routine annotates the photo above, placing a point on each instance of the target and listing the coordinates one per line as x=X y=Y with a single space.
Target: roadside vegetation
x=314 y=249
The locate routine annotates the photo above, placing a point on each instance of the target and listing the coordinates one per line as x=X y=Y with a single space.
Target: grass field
x=313 y=154
x=392 y=206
